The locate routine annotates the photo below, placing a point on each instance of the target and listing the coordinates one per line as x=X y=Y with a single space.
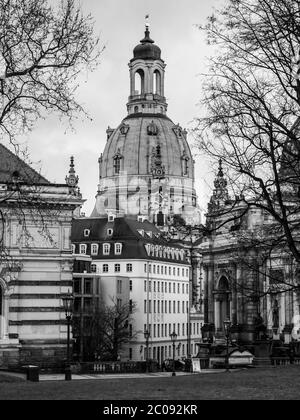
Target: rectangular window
x=170 y=353
x=149 y=285
x=170 y=288
x=77 y=286
x=178 y=288
x=169 y=271
x=166 y=307
x=130 y=330
x=183 y=329
x=158 y=330
x=82 y=249
x=166 y=268
x=145 y=306
x=88 y=286
x=174 y=271
x=87 y=304
x=170 y=309
x=162 y=330
x=145 y=285
x=130 y=285
x=158 y=269
x=178 y=307
x=178 y=329
x=154 y=306
x=94 y=249
x=145 y=268
x=183 y=272
x=119 y=286
x=187 y=272
x=118 y=249
x=154 y=286
x=150 y=307
x=154 y=269
x=130 y=306
x=105 y=268
x=162 y=306
x=154 y=330
x=158 y=306
x=129 y=268
x=174 y=288
x=166 y=287
x=178 y=272
x=187 y=289
x=174 y=307
x=106 y=249
x=183 y=307
x=117 y=268
x=170 y=332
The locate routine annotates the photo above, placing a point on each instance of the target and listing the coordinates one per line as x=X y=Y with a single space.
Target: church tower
x=147 y=168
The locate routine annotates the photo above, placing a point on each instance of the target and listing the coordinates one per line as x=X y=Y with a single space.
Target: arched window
x=157 y=82
x=139 y=81
x=136 y=109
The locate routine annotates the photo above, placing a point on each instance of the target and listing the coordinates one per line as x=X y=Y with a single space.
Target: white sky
x=104 y=93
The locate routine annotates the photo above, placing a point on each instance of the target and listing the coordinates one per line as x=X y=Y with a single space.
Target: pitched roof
x=12 y=166
x=133 y=234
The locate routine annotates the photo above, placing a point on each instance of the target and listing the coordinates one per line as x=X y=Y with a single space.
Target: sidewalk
x=61 y=377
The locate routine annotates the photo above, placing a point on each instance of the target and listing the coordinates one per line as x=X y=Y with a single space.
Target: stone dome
x=147 y=49
x=135 y=142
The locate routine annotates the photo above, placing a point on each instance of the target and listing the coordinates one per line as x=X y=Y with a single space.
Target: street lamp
x=147 y=336
x=68 y=300
x=227 y=326
x=173 y=338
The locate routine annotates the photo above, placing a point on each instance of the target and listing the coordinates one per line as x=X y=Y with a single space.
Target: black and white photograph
x=149 y=194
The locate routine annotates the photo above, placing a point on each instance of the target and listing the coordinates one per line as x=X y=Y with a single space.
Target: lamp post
x=173 y=338
x=68 y=300
x=227 y=326
x=147 y=336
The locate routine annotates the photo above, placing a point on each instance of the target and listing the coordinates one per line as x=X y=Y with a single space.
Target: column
x=217 y=314
x=211 y=318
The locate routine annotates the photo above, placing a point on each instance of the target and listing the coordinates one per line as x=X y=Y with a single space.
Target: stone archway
x=222 y=303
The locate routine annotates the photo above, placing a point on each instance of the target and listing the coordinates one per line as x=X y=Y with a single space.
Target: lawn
x=270 y=384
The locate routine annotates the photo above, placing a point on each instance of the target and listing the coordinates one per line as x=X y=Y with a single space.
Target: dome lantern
x=147 y=73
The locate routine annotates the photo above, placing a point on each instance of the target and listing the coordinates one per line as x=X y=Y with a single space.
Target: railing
x=285 y=360
x=117 y=367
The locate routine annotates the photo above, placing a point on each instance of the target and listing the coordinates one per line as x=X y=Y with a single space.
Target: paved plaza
x=260 y=383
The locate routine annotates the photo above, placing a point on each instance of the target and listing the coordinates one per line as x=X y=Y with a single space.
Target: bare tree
x=43 y=49
x=252 y=98
x=105 y=330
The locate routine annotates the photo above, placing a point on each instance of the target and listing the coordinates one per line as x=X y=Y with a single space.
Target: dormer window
x=82 y=249
x=141 y=232
x=149 y=233
x=106 y=249
x=94 y=249
x=86 y=233
x=118 y=249
x=111 y=217
x=73 y=249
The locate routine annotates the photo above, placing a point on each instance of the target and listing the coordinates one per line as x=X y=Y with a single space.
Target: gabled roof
x=11 y=166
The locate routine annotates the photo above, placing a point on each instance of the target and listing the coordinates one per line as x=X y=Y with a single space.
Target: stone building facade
x=35 y=263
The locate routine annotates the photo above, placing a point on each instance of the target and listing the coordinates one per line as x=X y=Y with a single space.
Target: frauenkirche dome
x=147 y=168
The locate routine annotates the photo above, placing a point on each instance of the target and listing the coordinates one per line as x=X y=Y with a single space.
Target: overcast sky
x=104 y=93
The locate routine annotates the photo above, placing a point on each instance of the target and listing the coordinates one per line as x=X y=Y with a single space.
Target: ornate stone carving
x=152 y=129
x=124 y=129
x=157 y=168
